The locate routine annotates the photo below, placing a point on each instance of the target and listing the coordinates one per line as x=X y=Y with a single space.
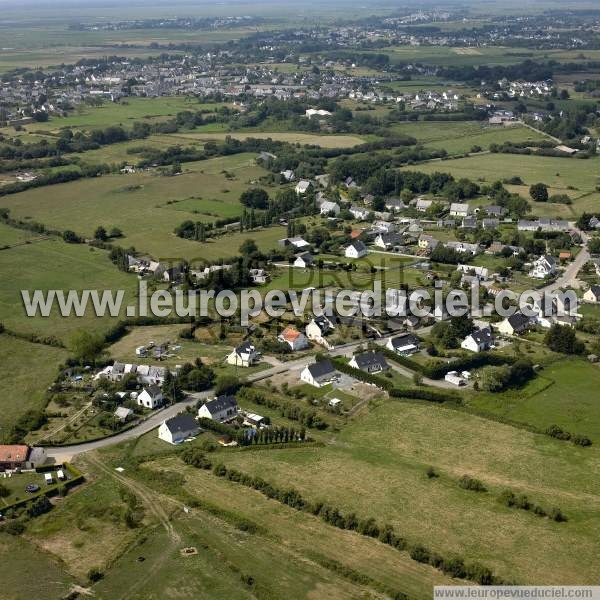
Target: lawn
x=26 y=371
x=53 y=264
x=145 y=206
x=564 y=394
x=376 y=467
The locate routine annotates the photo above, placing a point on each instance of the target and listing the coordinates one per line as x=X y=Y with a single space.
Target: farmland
x=145 y=206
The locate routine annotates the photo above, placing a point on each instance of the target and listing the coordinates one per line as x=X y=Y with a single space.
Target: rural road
x=66 y=453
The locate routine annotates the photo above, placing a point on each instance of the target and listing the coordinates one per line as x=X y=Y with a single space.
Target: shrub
x=470 y=483
x=94 y=575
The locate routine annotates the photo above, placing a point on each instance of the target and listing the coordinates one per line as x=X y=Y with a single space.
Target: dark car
x=32 y=488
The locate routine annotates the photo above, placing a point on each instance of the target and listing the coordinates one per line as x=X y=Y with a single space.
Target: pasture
x=388 y=451
x=293 y=137
x=145 y=206
x=53 y=264
x=563 y=175
x=123 y=112
x=26 y=371
x=563 y=394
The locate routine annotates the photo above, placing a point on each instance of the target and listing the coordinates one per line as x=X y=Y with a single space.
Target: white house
x=593 y=294
x=515 y=324
x=221 y=409
x=327 y=207
x=459 y=210
x=293 y=338
x=387 y=240
x=356 y=249
x=404 y=344
x=422 y=205
x=178 y=429
x=151 y=397
x=302 y=187
x=370 y=362
x=304 y=260
x=481 y=273
x=478 y=341
x=359 y=213
x=543 y=267
x=245 y=355
x=287 y=175
x=319 y=374
x=318 y=328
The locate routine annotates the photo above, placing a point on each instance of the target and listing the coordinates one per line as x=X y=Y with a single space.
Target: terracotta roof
x=14 y=453
x=290 y=334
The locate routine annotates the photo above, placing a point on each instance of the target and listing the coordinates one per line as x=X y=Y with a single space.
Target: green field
x=123 y=112
x=145 y=206
x=26 y=371
x=325 y=141
x=53 y=264
x=563 y=394
x=376 y=467
x=558 y=173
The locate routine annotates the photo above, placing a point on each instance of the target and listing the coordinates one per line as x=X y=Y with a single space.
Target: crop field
x=388 y=452
x=564 y=394
x=145 y=206
x=22 y=388
x=325 y=141
x=53 y=264
x=558 y=173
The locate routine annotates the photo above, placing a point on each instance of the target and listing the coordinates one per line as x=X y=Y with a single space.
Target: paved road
x=569 y=275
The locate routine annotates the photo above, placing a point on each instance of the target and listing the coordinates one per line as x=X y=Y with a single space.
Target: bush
x=94 y=575
x=470 y=483
x=13 y=528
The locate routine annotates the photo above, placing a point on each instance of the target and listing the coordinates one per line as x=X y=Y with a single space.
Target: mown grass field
x=53 y=264
x=26 y=371
x=376 y=467
x=325 y=141
x=558 y=173
x=145 y=206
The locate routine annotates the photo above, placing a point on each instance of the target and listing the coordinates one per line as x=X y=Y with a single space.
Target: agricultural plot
x=53 y=264
x=562 y=175
x=325 y=141
x=563 y=394
x=124 y=112
x=377 y=469
x=145 y=206
x=26 y=371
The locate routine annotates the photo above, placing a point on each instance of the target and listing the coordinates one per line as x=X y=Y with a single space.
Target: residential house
x=220 y=409
x=387 y=240
x=356 y=249
x=478 y=341
x=302 y=187
x=178 y=429
x=493 y=210
x=288 y=175
x=544 y=266
x=427 y=242
x=404 y=344
x=463 y=247
x=304 y=260
x=422 y=205
x=318 y=328
x=359 y=213
x=297 y=242
x=480 y=273
x=123 y=414
x=245 y=355
x=395 y=205
x=370 y=362
x=593 y=294
x=469 y=222
x=459 y=210
x=514 y=325
x=13 y=456
x=294 y=338
x=490 y=223
x=319 y=374
x=151 y=397
x=329 y=208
